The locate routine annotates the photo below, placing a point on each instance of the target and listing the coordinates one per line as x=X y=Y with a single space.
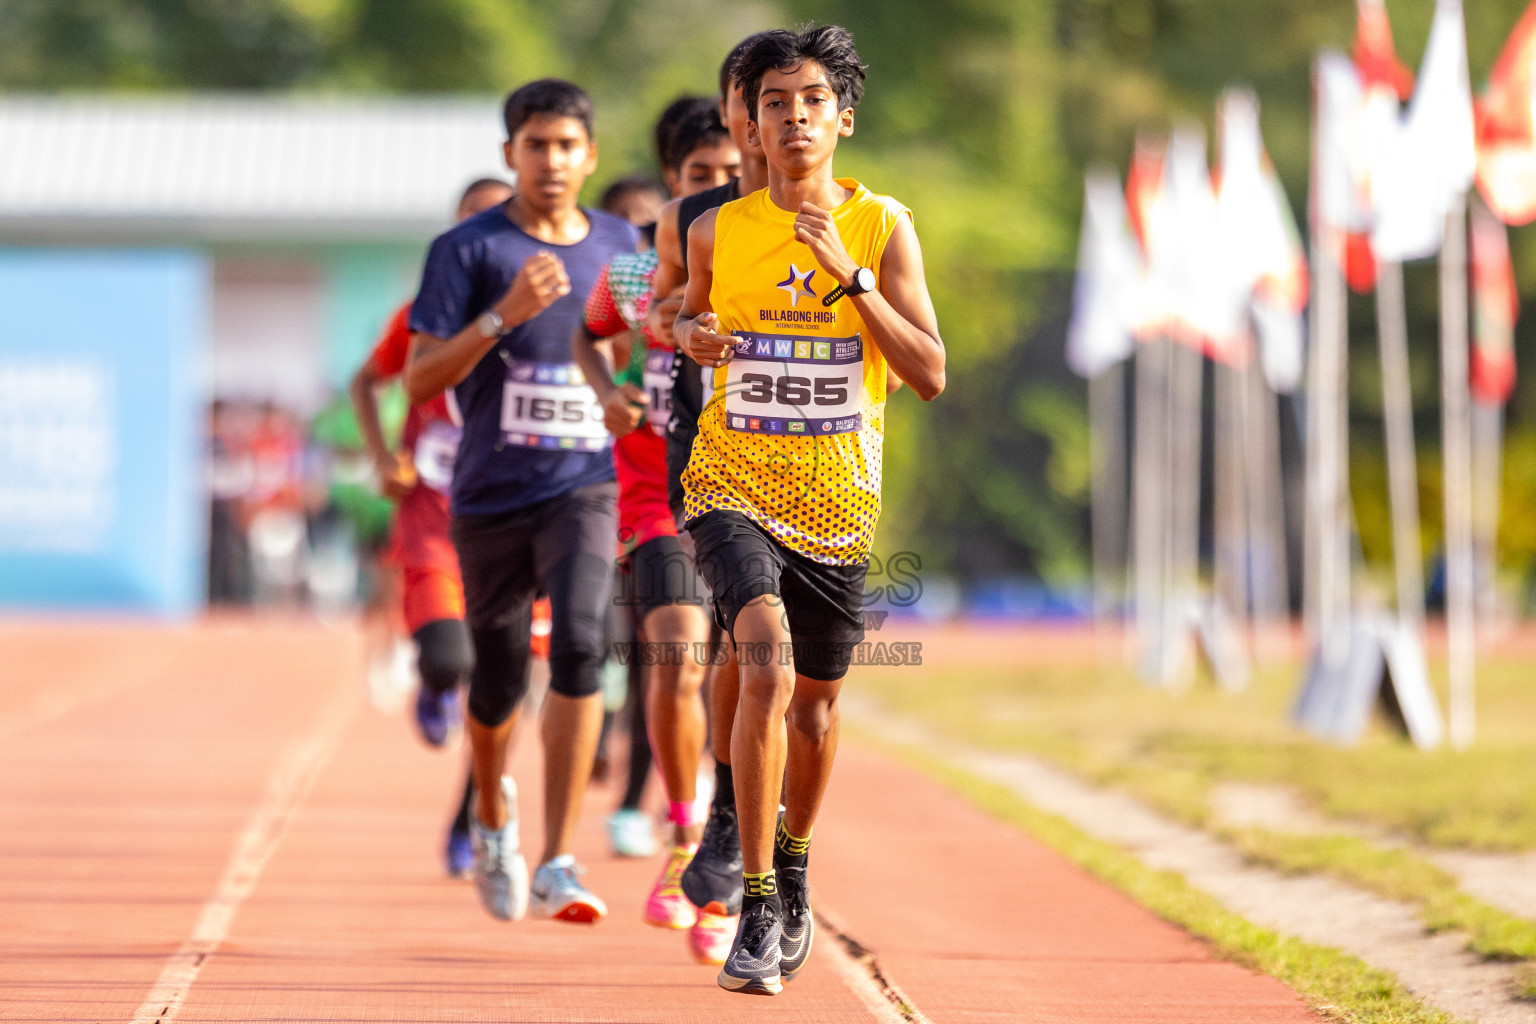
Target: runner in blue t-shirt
x=533 y=491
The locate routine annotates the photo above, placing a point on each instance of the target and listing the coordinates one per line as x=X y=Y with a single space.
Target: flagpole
x=1235 y=545
x=1106 y=432
x=1266 y=519
x=1456 y=439
x=1149 y=480
x=1402 y=468
x=1488 y=468
x=1326 y=579
x=1185 y=373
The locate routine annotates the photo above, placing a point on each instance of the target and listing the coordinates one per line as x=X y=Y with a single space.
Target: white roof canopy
x=240 y=167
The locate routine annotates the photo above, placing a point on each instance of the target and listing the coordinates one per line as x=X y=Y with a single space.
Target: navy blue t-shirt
x=532 y=427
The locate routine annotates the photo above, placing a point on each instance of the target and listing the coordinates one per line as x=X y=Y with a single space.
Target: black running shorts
x=660 y=573
x=823 y=603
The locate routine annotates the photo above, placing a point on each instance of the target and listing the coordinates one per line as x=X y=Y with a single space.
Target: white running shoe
x=500 y=872
x=557 y=895
x=631 y=834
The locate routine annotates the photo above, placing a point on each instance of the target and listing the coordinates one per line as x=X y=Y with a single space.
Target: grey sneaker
x=752 y=967
x=558 y=895
x=500 y=872
x=799 y=924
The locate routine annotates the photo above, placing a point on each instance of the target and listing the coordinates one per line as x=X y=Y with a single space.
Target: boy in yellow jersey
x=800 y=296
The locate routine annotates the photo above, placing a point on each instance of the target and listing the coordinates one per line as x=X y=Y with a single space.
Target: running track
x=209 y=824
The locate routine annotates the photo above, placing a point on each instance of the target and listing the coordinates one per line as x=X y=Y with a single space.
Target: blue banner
x=101 y=503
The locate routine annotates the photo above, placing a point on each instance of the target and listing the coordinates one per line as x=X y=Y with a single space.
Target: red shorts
x=640 y=463
x=431 y=593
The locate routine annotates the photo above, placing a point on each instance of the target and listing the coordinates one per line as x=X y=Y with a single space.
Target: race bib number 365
x=549 y=405
x=783 y=384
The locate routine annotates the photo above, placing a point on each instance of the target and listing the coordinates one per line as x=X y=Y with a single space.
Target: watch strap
x=838 y=292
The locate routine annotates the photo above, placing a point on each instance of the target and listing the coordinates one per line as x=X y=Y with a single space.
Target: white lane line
x=290 y=781
x=856 y=967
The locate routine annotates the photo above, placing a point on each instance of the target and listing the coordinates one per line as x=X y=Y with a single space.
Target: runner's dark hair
x=666 y=126
x=549 y=97
x=628 y=186
x=830 y=46
x=480 y=185
x=700 y=126
x=727 y=74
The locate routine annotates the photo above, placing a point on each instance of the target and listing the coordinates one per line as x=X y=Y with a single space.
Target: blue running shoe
x=437 y=715
x=799 y=925
x=752 y=966
x=461 y=851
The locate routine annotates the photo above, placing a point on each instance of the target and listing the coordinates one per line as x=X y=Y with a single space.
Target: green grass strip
x=1333 y=983
x=1397 y=874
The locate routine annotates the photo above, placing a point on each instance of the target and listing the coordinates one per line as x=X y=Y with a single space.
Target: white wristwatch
x=489 y=324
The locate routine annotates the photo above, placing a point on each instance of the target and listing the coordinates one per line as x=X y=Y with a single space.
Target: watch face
x=864 y=279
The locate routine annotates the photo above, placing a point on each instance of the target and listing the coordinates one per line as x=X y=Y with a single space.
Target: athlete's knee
x=769 y=685
x=813 y=719
x=575 y=674
x=446 y=655
x=499 y=679
x=679 y=678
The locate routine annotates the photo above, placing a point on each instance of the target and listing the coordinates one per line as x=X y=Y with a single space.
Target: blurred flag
x=1495 y=306
x=1375 y=55
x=1383 y=81
x=1260 y=256
x=1108 y=282
x=1143 y=182
x=1343 y=202
x=1184 y=258
x=1428 y=160
x=1506 y=137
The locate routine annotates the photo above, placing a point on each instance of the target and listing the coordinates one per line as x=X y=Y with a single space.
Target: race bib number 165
x=549 y=405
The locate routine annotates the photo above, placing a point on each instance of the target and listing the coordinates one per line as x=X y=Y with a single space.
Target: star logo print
x=798 y=284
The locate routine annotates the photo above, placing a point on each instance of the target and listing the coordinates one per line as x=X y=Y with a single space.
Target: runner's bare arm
x=437 y=364
x=394 y=481
x=697 y=324
x=622 y=405
x=899 y=314
x=365 y=406
x=670 y=271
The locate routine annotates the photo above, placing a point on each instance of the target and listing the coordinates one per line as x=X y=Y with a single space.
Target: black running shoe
x=714 y=874
x=799 y=926
x=752 y=967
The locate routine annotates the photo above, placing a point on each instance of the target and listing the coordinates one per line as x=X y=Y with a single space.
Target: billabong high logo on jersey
x=798 y=284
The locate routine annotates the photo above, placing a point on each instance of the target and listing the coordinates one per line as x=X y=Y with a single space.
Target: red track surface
x=136 y=765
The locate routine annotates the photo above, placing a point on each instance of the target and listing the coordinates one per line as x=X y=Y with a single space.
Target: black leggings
x=576 y=645
x=563 y=547
x=445 y=655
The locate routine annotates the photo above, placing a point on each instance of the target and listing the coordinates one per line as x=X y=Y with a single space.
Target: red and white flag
x=1341 y=189
x=1182 y=245
x=1506 y=134
x=1495 y=306
x=1427 y=162
x=1261 y=267
x=1107 y=293
x=1375 y=54
x=1384 y=80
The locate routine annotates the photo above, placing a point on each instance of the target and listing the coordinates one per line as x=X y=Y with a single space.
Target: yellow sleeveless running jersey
x=791 y=436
